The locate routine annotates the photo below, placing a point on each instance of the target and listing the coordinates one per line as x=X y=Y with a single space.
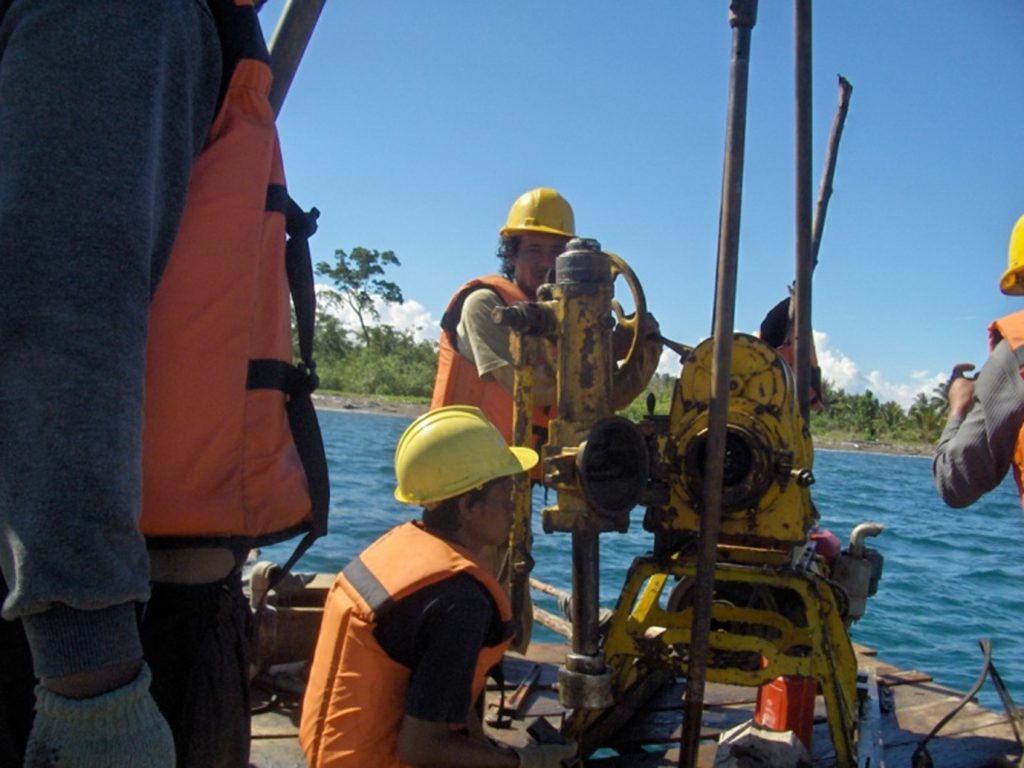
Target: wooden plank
x=984 y=747
x=974 y=738
x=552 y=622
x=289 y=636
x=917 y=709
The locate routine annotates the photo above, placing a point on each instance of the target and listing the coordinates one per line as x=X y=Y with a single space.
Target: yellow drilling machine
x=777 y=608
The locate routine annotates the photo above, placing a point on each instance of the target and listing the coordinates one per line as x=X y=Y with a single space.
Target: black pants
x=196 y=642
x=17 y=684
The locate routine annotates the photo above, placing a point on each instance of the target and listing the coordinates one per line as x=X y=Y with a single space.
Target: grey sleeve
x=485 y=344
x=974 y=454
x=94 y=164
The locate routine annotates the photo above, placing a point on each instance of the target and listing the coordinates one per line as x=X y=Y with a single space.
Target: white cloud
x=409 y=316
x=837 y=367
x=669 y=362
x=845 y=374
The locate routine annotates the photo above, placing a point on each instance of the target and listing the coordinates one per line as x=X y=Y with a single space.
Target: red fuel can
x=787 y=704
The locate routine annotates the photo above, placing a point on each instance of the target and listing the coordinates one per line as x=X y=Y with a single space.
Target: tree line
x=378 y=359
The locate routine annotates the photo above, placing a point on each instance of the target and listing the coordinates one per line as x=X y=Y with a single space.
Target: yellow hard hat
x=1013 y=279
x=540 y=210
x=452 y=450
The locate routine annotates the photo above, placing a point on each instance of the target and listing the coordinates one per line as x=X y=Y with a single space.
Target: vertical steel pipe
x=583 y=277
x=288 y=43
x=804 y=264
x=742 y=17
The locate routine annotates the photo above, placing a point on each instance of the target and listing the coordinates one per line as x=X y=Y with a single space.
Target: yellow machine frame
x=798 y=629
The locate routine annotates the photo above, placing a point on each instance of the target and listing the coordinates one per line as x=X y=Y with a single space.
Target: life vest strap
x=293 y=380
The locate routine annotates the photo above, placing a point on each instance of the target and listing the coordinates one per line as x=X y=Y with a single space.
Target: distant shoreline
x=369 y=404
x=397 y=407
x=853 y=446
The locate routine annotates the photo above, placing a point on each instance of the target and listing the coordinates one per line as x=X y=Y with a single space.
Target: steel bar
x=288 y=43
x=802 y=294
x=742 y=17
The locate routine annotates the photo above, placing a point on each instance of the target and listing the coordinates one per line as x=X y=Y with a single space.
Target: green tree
x=892 y=418
x=330 y=339
x=865 y=413
x=926 y=418
x=939 y=402
x=359 y=280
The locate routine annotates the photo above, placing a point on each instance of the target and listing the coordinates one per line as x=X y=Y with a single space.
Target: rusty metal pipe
x=742 y=17
x=583 y=278
x=804 y=263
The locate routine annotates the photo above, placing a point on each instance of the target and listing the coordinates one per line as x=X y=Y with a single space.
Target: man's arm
x=488 y=346
x=436 y=728
x=421 y=742
x=977 y=446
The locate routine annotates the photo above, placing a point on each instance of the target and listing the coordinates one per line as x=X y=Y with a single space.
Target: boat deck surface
x=911 y=704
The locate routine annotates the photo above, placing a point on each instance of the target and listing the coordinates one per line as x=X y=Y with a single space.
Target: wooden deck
x=911 y=704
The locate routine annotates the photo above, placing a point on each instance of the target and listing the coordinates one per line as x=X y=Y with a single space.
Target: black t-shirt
x=437 y=633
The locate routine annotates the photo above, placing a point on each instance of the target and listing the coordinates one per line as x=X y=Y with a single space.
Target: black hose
x=921 y=758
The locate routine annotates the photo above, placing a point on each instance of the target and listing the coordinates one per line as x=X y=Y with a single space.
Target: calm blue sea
x=951 y=577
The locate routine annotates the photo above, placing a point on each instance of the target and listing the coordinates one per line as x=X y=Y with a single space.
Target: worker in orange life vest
x=984 y=434
x=474 y=357
x=475 y=361
x=413 y=624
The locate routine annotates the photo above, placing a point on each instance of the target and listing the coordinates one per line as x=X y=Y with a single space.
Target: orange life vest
x=1011 y=329
x=231 y=446
x=457 y=381
x=355 y=699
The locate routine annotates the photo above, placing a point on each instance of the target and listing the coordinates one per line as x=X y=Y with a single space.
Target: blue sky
x=413 y=126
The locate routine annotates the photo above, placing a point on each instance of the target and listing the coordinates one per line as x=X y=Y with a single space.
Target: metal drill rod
x=742 y=17
x=288 y=43
x=804 y=264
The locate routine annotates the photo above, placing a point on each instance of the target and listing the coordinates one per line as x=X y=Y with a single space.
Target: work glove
x=119 y=729
x=545 y=755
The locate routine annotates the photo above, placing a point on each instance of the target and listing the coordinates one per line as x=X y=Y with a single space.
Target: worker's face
x=489 y=519
x=535 y=258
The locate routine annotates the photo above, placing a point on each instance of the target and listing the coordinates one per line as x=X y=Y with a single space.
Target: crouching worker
x=413 y=624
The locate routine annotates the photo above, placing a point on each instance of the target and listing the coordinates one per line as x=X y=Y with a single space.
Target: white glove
x=119 y=729
x=545 y=755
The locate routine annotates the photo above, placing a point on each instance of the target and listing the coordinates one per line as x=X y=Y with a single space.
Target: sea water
x=950 y=578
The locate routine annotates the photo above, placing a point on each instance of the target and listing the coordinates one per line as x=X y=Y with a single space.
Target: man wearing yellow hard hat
x=414 y=622
x=474 y=360
x=984 y=436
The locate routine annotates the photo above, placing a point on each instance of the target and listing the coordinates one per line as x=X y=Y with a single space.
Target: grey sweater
x=975 y=453
x=103 y=108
